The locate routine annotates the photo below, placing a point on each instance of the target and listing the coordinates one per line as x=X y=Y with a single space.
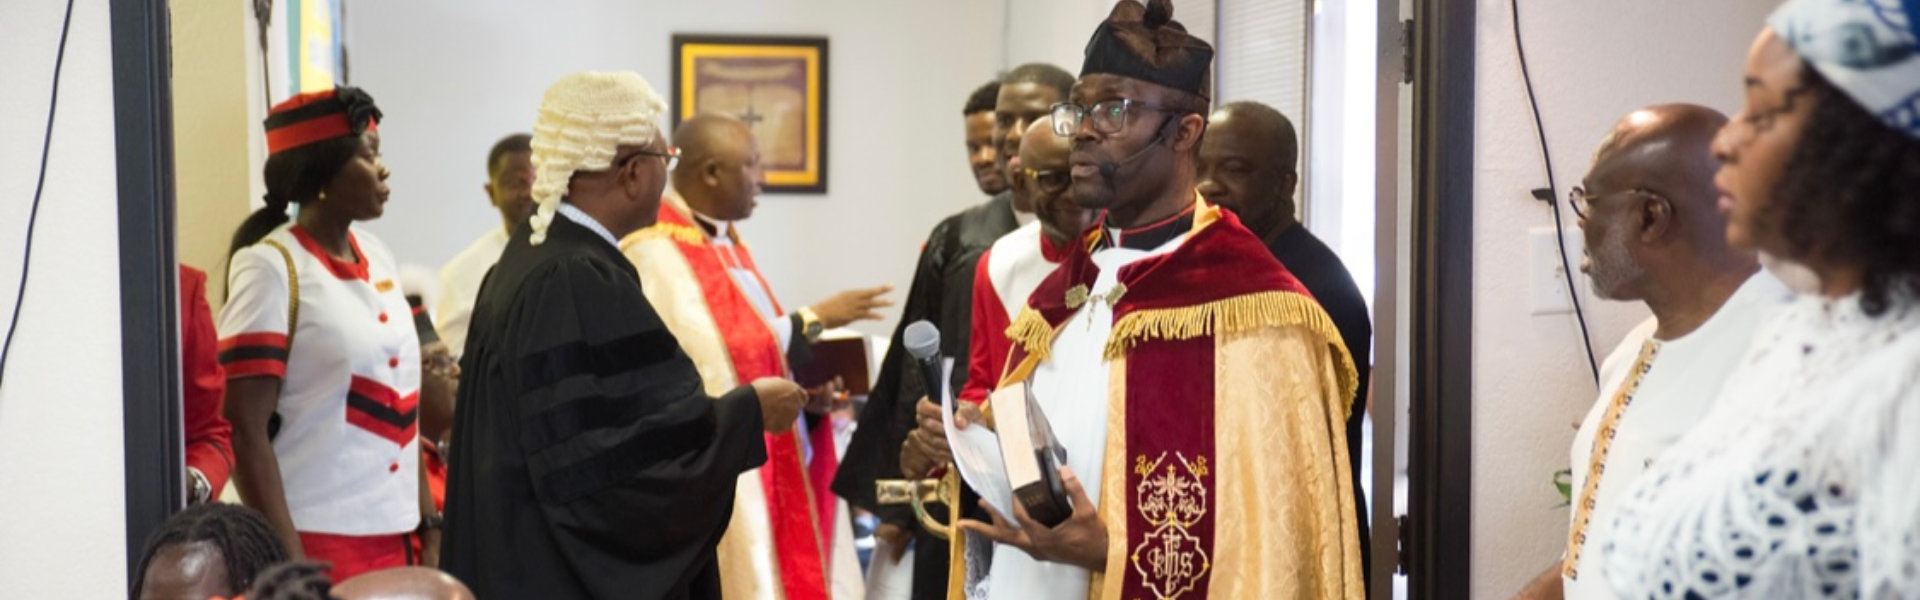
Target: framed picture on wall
x=777 y=85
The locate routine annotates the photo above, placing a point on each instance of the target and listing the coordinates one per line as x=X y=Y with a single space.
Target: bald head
x=706 y=134
x=719 y=169
x=1248 y=164
x=403 y=583
x=1652 y=224
x=1664 y=148
x=1045 y=156
x=1264 y=124
x=1041 y=147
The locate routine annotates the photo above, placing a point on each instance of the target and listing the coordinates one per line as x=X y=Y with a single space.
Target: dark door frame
x=1440 y=495
x=149 y=300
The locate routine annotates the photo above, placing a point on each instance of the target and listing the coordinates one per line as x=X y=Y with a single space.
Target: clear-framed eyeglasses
x=1582 y=202
x=1107 y=116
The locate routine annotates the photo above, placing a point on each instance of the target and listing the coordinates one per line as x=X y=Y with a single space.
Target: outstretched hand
x=852 y=305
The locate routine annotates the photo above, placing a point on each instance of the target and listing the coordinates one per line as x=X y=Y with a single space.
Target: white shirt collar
x=576 y=215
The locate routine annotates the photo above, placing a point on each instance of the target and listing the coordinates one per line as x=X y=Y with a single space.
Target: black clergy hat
x=1144 y=42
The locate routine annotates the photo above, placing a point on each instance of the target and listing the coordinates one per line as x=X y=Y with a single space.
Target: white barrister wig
x=584 y=118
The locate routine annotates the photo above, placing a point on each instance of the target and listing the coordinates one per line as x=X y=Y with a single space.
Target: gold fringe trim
x=679 y=233
x=1224 y=317
x=1031 y=332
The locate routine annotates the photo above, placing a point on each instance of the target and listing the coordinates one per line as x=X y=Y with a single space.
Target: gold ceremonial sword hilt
x=919 y=493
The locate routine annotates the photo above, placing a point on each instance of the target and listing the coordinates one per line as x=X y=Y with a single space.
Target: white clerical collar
x=573 y=213
x=1023 y=218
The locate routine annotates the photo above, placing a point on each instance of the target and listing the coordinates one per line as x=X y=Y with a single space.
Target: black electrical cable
x=1552 y=197
x=33 y=214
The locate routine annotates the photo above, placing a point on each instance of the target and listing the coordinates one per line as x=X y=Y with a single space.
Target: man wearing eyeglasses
x=1654 y=234
x=700 y=277
x=1247 y=165
x=1011 y=269
x=941 y=293
x=1198 y=390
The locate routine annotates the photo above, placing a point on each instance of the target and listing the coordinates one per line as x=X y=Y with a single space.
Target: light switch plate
x=1546 y=277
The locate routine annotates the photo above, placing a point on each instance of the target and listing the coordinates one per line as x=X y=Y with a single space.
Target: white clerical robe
x=1072 y=389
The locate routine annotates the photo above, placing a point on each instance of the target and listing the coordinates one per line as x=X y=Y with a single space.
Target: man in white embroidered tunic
x=1218 y=463
x=1655 y=235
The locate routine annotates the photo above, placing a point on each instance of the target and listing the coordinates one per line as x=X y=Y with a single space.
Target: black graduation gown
x=585 y=461
x=941 y=292
x=1320 y=270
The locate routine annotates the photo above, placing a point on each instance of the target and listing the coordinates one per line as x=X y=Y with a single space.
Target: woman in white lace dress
x=1804 y=481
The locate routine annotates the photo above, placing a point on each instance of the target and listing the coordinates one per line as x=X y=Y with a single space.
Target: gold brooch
x=1077 y=296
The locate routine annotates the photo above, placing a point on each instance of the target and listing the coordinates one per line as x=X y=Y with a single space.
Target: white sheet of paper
x=976 y=453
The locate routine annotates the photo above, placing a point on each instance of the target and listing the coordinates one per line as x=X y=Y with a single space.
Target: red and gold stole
x=802 y=522
x=1220 y=281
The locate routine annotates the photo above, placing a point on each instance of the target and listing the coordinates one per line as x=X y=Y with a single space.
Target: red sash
x=1221 y=269
x=800 y=525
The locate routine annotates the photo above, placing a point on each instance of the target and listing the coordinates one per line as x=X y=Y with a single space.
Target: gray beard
x=1611 y=267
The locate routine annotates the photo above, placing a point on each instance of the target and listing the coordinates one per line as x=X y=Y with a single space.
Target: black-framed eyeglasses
x=1107 y=116
x=1582 y=202
x=668 y=157
x=1052 y=181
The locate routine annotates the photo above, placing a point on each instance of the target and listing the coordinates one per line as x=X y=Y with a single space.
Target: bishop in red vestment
x=790 y=537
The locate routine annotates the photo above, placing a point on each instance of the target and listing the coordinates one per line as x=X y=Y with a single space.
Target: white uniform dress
x=1804 y=479
x=346 y=423
x=1678 y=386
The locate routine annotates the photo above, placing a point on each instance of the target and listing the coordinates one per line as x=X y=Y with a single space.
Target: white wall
x=62 y=506
x=898 y=75
x=1592 y=62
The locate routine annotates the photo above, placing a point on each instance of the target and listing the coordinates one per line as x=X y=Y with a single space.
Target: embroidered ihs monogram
x=1172 y=500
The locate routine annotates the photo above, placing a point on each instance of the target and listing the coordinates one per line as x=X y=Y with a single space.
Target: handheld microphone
x=922 y=341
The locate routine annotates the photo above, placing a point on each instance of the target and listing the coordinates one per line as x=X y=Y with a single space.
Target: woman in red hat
x=323 y=365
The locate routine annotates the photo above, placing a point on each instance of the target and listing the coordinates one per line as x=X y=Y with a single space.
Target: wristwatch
x=434 y=521
x=201 y=491
x=810 y=324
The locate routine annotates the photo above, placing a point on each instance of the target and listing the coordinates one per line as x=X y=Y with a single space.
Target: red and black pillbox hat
x=319 y=116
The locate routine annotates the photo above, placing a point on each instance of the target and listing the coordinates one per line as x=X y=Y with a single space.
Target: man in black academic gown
x=942 y=293
x=1247 y=164
x=585 y=460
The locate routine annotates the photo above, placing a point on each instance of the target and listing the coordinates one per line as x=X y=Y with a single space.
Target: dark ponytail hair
x=294 y=175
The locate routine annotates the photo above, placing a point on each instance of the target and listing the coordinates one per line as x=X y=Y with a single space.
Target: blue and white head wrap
x=1866 y=48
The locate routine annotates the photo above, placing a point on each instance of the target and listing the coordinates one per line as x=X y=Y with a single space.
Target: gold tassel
x=1032 y=333
x=679 y=233
x=1226 y=317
